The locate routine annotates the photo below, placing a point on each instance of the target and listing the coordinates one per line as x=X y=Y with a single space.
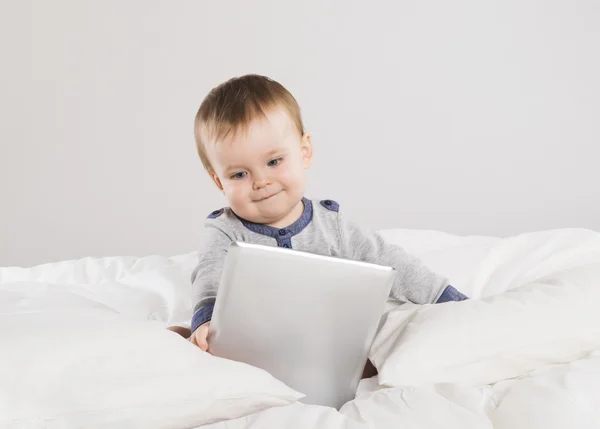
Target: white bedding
x=552 y=276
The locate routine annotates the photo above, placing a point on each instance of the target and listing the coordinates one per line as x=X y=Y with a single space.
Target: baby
x=252 y=142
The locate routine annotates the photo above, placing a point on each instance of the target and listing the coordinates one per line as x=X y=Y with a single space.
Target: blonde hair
x=232 y=105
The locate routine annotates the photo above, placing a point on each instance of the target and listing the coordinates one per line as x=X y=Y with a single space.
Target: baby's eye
x=274 y=162
x=238 y=176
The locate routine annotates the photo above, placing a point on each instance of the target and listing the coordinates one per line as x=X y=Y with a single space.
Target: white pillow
x=475 y=342
x=88 y=367
x=149 y=288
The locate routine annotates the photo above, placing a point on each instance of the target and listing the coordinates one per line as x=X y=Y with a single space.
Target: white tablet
x=309 y=320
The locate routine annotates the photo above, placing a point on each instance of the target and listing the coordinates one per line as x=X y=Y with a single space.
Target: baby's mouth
x=268 y=197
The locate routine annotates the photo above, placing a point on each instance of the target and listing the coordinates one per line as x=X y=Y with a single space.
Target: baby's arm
x=205 y=280
x=414 y=282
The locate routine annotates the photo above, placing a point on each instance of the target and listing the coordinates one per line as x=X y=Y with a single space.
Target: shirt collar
x=287 y=232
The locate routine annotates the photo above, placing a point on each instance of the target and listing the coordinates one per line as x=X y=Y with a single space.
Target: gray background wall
x=472 y=117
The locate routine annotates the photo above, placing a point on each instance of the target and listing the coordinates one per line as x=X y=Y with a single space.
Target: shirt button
x=282 y=232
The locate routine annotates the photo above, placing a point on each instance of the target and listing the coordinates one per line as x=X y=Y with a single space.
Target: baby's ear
x=307 y=150
x=216 y=179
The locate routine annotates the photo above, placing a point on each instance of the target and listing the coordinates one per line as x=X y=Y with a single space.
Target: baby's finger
x=201 y=338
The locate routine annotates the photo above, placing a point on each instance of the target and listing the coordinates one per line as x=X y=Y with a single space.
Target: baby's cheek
x=296 y=178
x=234 y=189
x=239 y=201
x=231 y=194
x=293 y=174
x=235 y=200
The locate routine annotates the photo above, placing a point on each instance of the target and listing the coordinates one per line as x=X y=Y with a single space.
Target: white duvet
x=524 y=353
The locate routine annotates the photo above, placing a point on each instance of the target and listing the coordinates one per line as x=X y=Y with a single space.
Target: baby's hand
x=200 y=336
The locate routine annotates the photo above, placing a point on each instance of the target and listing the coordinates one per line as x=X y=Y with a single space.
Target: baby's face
x=262 y=171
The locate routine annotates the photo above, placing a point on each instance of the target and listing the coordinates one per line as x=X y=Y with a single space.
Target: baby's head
x=251 y=140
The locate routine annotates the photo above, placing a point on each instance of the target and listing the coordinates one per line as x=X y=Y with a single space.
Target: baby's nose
x=259 y=184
